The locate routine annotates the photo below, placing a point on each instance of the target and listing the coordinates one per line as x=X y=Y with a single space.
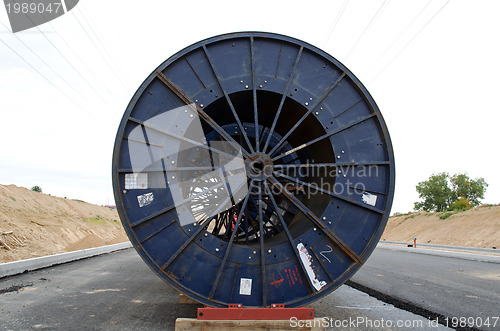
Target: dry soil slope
x=478 y=227
x=35 y=224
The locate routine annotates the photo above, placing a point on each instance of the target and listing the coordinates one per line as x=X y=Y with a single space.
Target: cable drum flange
x=253 y=168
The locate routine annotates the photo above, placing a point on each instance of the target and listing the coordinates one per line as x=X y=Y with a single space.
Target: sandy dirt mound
x=35 y=224
x=478 y=227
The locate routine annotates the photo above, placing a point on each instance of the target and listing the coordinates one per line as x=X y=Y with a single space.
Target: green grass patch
x=444 y=216
x=397 y=214
x=98 y=219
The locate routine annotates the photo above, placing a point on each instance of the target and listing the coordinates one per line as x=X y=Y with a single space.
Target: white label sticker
x=245 y=286
x=145 y=199
x=136 y=181
x=307 y=263
x=369 y=199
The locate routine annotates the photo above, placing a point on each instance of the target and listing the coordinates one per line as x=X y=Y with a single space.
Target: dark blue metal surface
x=307 y=111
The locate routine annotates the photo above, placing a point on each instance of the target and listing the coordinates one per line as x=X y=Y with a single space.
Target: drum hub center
x=259 y=166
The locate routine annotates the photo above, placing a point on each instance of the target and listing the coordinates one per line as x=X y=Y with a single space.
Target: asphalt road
x=117 y=291
x=450 y=286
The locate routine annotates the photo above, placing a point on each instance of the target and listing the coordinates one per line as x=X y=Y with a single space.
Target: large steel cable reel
x=224 y=219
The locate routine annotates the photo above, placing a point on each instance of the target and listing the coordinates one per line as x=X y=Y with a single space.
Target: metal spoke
x=202 y=226
x=280 y=207
x=229 y=102
x=268 y=218
x=283 y=98
x=158 y=231
x=254 y=222
x=195 y=73
x=202 y=114
x=126 y=170
x=246 y=222
x=313 y=107
x=289 y=236
x=322 y=265
x=217 y=227
x=309 y=214
x=326 y=135
x=227 y=225
x=262 y=248
x=348 y=108
x=254 y=96
x=167 y=209
x=143 y=142
x=179 y=137
x=145 y=135
x=315 y=187
x=228 y=249
x=279 y=61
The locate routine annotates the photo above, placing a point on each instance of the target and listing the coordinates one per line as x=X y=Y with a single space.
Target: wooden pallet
x=192 y=324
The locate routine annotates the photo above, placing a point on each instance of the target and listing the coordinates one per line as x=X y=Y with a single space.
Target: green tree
x=466 y=188
x=435 y=192
x=461 y=204
x=442 y=192
x=36 y=188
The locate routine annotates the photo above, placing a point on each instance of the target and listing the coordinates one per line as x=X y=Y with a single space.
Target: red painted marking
x=295 y=275
x=277 y=281
x=298 y=274
x=288 y=277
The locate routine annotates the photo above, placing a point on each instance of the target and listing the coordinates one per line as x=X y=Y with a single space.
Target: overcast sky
x=431 y=66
